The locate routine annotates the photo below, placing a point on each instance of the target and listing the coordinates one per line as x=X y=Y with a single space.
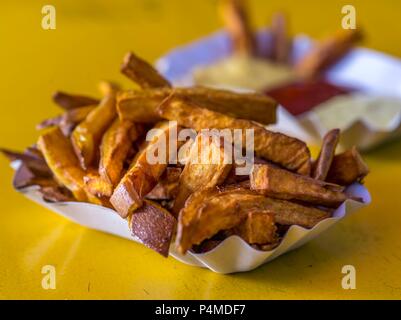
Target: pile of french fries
x=96 y=152
x=244 y=41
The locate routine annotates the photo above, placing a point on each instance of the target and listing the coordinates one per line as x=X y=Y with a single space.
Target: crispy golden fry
x=142 y=73
x=288 y=213
x=143 y=175
x=56 y=193
x=251 y=106
x=59 y=155
x=33 y=171
x=347 y=168
x=141 y=106
x=50 y=122
x=283 y=184
x=326 y=53
x=203 y=216
x=281 y=42
x=67 y=121
x=127 y=196
x=236 y=20
x=87 y=135
x=209 y=211
x=108 y=87
x=258 y=228
x=114 y=148
x=154 y=226
x=32 y=158
x=233 y=177
x=73 y=117
x=71 y=101
x=25 y=176
x=61 y=159
x=322 y=165
x=208 y=165
x=284 y=212
x=97 y=186
x=167 y=187
x=289 y=152
x=33 y=151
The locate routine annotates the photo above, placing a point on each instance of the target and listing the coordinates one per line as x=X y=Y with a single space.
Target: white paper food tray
x=368 y=71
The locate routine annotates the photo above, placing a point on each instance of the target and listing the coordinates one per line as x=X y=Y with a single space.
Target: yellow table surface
x=88 y=45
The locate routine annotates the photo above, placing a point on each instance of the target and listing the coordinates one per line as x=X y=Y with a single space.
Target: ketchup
x=299 y=97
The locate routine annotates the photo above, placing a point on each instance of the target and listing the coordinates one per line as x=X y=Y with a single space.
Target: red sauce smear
x=300 y=97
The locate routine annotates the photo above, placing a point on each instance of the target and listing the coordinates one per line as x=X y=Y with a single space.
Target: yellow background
x=88 y=44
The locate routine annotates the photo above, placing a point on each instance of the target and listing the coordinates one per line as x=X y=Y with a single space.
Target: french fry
x=322 y=165
x=209 y=211
x=71 y=101
x=97 y=186
x=50 y=122
x=141 y=106
x=289 y=213
x=200 y=220
x=142 y=176
x=67 y=121
x=142 y=73
x=26 y=177
x=208 y=166
x=33 y=171
x=32 y=159
x=283 y=184
x=167 y=187
x=235 y=18
x=258 y=228
x=234 y=178
x=34 y=152
x=73 y=117
x=251 y=106
x=114 y=148
x=347 y=168
x=286 y=151
x=60 y=157
x=107 y=88
x=281 y=42
x=326 y=53
x=87 y=135
x=56 y=193
x=154 y=226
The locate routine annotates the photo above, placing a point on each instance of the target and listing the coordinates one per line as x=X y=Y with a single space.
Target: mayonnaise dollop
x=244 y=72
x=382 y=113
